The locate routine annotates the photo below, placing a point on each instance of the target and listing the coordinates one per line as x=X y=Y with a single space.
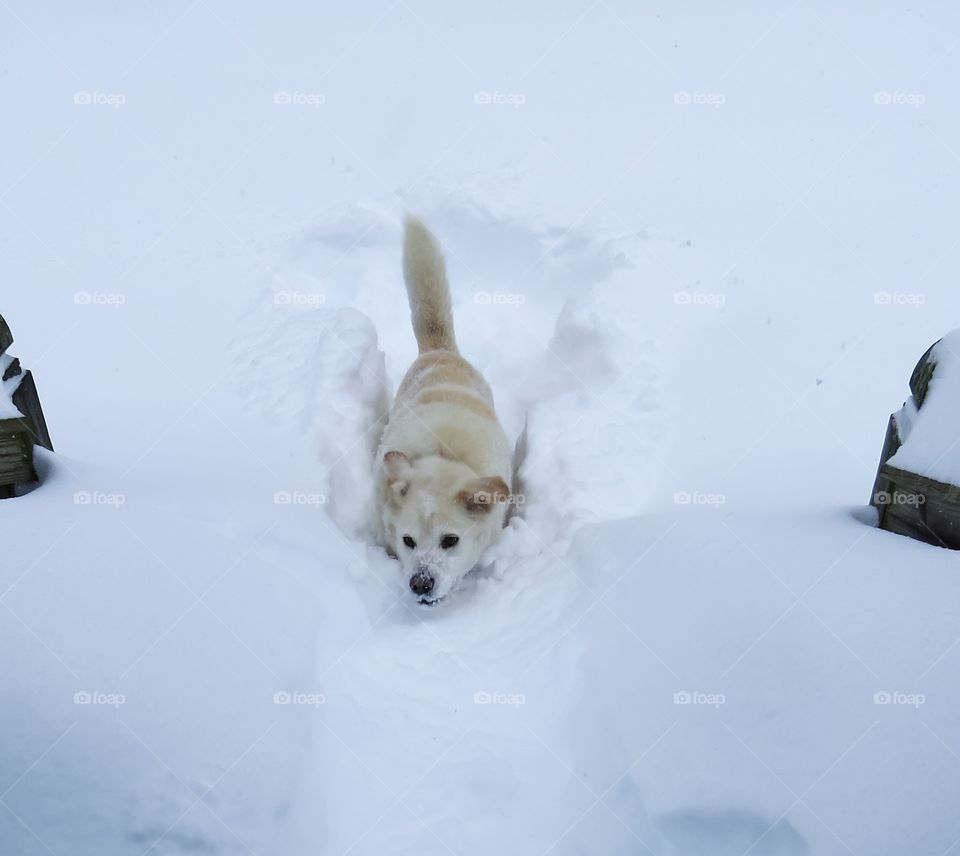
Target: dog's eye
x=449 y=541
x=409 y=542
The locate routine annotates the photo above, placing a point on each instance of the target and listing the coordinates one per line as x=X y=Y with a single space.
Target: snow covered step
x=21 y=421
x=916 y=490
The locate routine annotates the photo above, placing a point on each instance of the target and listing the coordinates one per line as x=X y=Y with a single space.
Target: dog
x=443 y=464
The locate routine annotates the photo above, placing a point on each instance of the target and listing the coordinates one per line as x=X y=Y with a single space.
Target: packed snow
x=696 y=252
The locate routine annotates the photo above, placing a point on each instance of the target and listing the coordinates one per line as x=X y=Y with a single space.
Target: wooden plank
x=922 y=372
x=898 y=520
x=26 y=400
x=911 y=528
x=911 y=482
x=921 y=507
x=891 y=442
x=13 y=369
x=914 y=521
x=942 y=520
x=16 y=455
x=6 y=337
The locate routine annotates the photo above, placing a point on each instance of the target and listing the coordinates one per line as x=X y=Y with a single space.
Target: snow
x=8 y=410
x=697 y=253
x=931 y=446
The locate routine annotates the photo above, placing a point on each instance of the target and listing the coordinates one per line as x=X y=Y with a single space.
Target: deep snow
x=696 y=250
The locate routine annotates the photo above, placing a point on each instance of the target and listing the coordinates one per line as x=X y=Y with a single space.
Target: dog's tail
x=426 y=276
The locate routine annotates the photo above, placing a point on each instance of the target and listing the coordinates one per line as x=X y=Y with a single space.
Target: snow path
x=418 y=705
x=404 y=690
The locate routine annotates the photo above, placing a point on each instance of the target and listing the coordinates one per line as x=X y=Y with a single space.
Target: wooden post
x=19 y=433
x=910 y=504
x=16 y=456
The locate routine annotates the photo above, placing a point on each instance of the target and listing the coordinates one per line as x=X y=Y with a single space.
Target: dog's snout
x=421 y=582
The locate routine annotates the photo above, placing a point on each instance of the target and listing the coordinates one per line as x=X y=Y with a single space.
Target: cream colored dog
x=444 y=461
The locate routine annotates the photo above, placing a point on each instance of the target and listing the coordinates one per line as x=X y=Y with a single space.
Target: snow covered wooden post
x=916 y=491
x=21 y=421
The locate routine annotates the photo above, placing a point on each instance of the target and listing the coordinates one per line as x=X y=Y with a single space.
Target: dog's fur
x=444 y=461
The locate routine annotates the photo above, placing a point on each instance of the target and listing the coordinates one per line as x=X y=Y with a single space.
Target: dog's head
x=439 y=518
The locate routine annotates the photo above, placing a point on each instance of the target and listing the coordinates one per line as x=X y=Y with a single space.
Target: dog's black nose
x=421 y=583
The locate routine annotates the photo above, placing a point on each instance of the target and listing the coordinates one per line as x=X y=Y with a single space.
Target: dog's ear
x=396 y=466
x=483 y=494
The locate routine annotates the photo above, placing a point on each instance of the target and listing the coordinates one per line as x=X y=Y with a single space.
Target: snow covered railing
x=21 y=421
x=917 y=489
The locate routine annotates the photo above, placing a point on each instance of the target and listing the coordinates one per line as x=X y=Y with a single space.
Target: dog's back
x=443 y=406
